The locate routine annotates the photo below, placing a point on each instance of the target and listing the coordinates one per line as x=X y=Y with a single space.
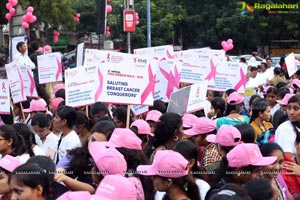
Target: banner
x=138 y=110
x=230 y=76
x=188 y=99
x=93 y=57
x=28 y=81
x=81 y=91
x=15 y=82
x=168 y=73
x=50 y=68
x=291 y=64
x=4 y=97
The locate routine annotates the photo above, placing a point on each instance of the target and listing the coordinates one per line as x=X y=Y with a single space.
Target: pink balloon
x=25 y=25
x=14 y=2
x=8 y=6
x=8 y=16
x=12 y=11
x=137 y=22
x=223 y=44
x=29 y=15
x=229 y=41
x=230 y=46
x=55 y=33
x=30 y=9
x=108 y=8
x=107 y=28
x=107 y=33
x=137 y=18
x=55 y=39
x=78 y=15
x=46 y=48
x=40 y=49
x=33 y=19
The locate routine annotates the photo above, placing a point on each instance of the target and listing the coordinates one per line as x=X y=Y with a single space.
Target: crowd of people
x=53 y=151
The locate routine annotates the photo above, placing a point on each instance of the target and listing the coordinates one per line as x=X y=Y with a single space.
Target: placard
x=291 y=64
x=15 y=82
x=50 y=68
x=4 y=97
x=28 y=81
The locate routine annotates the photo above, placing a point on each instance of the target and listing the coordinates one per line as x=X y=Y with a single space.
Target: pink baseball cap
x=295 y=83
x=58 y=87
x=124 y=137
x=246 y=154
x=106 y=159
x=83 y=195
x=56 y=102
x=36 y=105
x=166 y=163
x=202 y=125
x=117 y=187
x=235 y=98
x=153 y=115
x=188 y=120
x=142 y=126
x=285 y=99
x=9 y=163
x=227 y=136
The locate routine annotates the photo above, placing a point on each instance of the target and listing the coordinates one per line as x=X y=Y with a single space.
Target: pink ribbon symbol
x=173 y=81
x=32 y=84
x=3 y=86
x=169 y=55
x=213 y=71
x=22 y=85
x=99 y=90
x=242 y=82
x=150 y=87
x=59 y=69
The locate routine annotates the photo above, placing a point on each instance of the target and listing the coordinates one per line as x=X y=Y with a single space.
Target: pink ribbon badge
x=32 y=83
x=100 y=87
x=213 y=71
x=59 y=69
x=242 y=82
x=150 y=87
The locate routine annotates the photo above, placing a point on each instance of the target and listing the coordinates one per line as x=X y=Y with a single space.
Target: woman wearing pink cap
x=233 y=117
x=170 y=174
x=242 y=164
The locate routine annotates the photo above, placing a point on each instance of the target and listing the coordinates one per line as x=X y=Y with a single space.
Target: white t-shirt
x=50 y=141
x=24 y=60
x=202 y=186
x=285 y=136
x=70 y=141
x=23 y=158
x=274 y=109
x=38 y=151
x=254 y=82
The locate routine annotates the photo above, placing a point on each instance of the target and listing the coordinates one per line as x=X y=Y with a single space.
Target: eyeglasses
x=3 y=139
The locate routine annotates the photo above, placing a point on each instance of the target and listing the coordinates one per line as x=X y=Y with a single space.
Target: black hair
x=281 y=85
x=144 y=137
x=189 y=151
x=229 y=91
x=60 y=93
x=121 y=114
x=247 y=132
x=133 y=159
x=279 y=117
x=218 y=103
x=263 y=186
x=258 y=106
x=98 y=106
x=68 y=113
x=8 y=132
x=188 y=185
x=38 y=176
x=273 y=90
x=267 y=148
x=230 y=108
x=43 y=94
x=159 y=105
x=105 y=127
x=166 y=128
x=282 y=92
x=243 y=60
x=35 y=45
x=253 y=98
x=277 y=70
x=19 y=44
x=83 y=120
x=28 y=136
x=252 y=68
x=40 y=119
x=233 y=192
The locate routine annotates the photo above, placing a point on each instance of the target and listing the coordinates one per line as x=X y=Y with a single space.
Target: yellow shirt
x=258 y=130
